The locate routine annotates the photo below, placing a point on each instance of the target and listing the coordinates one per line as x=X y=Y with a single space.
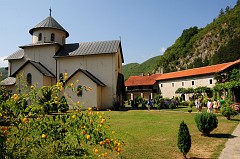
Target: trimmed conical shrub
x=184 y=139
x=206 y=122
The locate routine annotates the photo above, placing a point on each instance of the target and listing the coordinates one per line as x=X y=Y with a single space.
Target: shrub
x=184 y=139
x=206 y=122
x=172 y=106
x=228 y=112
x=190 y=104
x=63 y=106
x=189 y=109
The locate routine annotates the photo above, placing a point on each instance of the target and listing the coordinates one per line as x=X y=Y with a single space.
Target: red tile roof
x=198 y=71
x=150 y=80
x=141 y=80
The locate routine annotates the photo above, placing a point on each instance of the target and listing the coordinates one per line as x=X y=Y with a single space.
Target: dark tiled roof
x=38 y=66
x=39 y=44
x=8 y=81
x=49 y=22
x=89 y=75
x=16 y=55
x=89 y=48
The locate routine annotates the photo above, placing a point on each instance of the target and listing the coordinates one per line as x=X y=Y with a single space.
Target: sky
x=146 y=27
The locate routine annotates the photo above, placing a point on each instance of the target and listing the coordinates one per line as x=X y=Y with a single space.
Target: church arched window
x=79 y=90
x=52 y=37
x=40 y=37
x=29 y=79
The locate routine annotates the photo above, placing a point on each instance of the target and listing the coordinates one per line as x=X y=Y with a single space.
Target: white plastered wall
x=90 y=98
x=101 y=66
x=170 y=86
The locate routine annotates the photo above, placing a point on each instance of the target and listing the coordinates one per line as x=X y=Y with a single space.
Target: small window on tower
x=40 y=37
x=52 y=37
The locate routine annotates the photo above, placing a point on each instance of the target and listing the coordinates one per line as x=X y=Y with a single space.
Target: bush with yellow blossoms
x=26 y=131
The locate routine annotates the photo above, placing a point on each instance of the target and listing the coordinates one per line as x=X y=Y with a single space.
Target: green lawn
x=153 y=134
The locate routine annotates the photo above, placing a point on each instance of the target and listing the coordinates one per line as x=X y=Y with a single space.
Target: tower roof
x=49 y=22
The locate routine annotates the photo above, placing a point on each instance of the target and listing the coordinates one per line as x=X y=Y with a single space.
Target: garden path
x=232 y=146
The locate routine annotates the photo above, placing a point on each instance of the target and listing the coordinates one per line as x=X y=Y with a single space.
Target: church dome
x=49 y=22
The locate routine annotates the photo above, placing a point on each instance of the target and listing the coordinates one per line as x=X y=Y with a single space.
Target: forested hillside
x=218 y=42
x=3 y=73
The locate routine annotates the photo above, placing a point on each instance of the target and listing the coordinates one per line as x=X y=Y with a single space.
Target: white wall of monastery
x=14 y=65
x=37 y=77
x=101 y=66
x=88 y=98
x=44 y=55
x=168 y=87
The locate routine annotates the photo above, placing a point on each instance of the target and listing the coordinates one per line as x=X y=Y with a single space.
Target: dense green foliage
x=216 y=43
x=184 y=139
x=206 y=122
x=4 y=73
x=228 y=111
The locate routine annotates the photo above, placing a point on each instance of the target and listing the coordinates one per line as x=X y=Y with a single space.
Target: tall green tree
x=184 y=139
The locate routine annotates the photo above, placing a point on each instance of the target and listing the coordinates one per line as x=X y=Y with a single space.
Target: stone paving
x=232 y=147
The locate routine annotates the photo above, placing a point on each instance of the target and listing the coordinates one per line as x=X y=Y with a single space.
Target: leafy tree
x=184 y=139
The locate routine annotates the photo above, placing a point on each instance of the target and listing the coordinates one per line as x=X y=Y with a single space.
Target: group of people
x=211 y=105
x=198 y=105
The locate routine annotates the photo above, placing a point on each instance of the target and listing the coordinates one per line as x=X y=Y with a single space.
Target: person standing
x=197 y=104
x=149 y=103
x=209 y=106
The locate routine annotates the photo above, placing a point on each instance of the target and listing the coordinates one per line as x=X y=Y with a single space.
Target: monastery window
x=172 y=84
x=210 y=81
x=193 y=83
x=61 y=77
x=40 y=37
x=161 y=85
x=52 y=37
x=79 y=91
x=29 y=79
x=182 y=83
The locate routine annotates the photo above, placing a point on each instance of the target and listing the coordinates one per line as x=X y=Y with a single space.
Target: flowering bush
x=27 y=131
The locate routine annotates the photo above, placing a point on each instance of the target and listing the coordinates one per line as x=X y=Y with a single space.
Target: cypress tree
x=184 y=139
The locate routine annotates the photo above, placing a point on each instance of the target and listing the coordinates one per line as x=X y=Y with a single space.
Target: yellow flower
x=95 y=150
x=103 y=121
x=88 y=137
x=90 y=109
x=101 y=143
x=74 y=116
x=44 y=136
x=91 y=121
x=113 y=132
x=25 y=120
x=78 y=103
x=77 y=81
x=15 y=97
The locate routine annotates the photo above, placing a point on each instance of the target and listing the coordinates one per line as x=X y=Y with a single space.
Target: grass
x=153 y=134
